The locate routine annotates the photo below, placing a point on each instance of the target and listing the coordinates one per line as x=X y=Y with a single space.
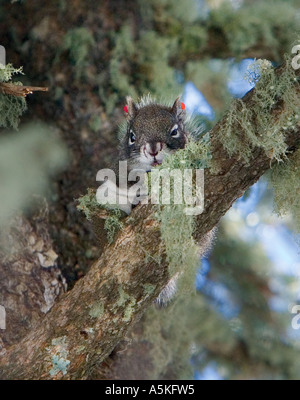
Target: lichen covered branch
x=89 y=321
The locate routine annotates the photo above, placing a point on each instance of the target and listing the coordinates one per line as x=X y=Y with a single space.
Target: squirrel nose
x=153 y=148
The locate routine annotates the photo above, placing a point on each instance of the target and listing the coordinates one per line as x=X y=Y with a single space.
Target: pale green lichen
x=97 y=310
x=195 y=155
x=89 y=205
x=7 y=72
x=59 y=353
x=113 y=223
x=252 y=126
x=59 y=365
x=123 y=296
x=129 y=310
x=122 y=300
x=148 y=288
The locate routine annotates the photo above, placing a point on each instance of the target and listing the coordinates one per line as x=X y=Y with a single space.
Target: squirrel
x=152 y=132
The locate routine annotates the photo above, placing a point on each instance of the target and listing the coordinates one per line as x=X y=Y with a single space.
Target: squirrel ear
x=130 y=108
x=178 y=107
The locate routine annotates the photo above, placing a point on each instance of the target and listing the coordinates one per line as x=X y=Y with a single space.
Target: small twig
x=19 y=90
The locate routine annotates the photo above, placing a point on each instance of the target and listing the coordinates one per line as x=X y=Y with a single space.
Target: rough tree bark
x=87 y=323
x=30 y=278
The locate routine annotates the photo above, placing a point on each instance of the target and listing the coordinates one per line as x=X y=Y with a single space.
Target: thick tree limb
x=89 y=321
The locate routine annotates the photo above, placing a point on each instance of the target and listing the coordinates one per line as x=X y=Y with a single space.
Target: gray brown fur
x=152 y=123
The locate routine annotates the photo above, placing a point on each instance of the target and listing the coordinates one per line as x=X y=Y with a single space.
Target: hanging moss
x=176 y=226
x=285 y=179
x=254 y=125
x=181 y=250
x=12 y=108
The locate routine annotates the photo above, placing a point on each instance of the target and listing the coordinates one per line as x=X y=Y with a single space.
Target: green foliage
x=135 y=70
x=285 y=180
x=270 y=24
x=191 y=41
x=170 y=338
x=11 y=107
x=79 y=42
x=185 y=330
x=7 y=72
x=123 y=52
x=252 y=126
x=145 y=62
x=168 y=16
x=95 y=123
x=176 y=232
x=154 y=72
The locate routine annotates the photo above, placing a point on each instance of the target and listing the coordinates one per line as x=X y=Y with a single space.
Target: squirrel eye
x=174 y=131
x=131 y=137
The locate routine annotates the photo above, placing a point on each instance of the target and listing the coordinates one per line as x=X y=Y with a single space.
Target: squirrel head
x=153 y=130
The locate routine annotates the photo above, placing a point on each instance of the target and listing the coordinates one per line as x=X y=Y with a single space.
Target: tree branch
x=19 y=90
x=89 y=321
